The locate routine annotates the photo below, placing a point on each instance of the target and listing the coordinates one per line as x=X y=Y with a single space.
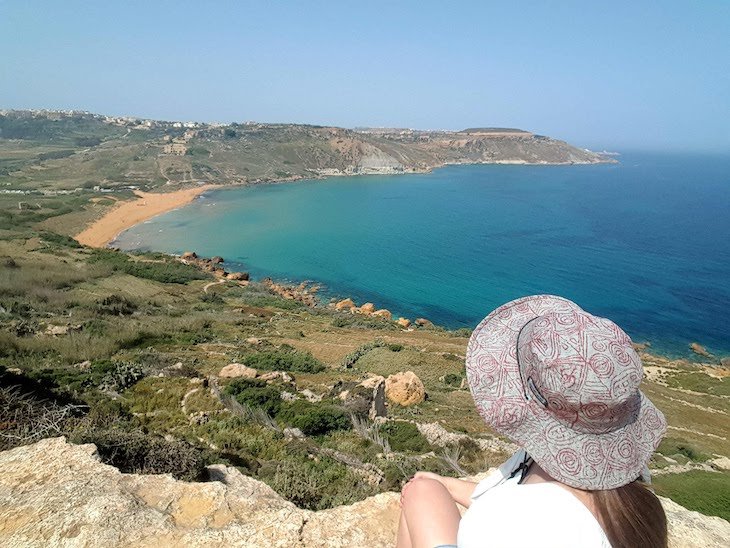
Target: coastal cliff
x=55 y=493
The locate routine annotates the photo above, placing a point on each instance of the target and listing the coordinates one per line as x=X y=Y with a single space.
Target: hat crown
x=582 y=368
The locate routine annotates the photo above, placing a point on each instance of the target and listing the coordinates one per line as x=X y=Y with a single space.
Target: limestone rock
x=56 y=494
x=372 y=382
x=700 y=350
x=56 y=330
x=238 y=276
x=372 y=522
x=189 y=255
x=216 y=260
x=345 y=304
x=383 y=313
x=423 y=322
x=273 y=376
x=404 y=322
x=405 y=388
x=236 y=370
x=688 y=529
x=53 y=493
x=311 y=396
x=367 y=308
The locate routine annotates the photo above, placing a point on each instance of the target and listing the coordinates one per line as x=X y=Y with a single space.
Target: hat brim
x=581 y=460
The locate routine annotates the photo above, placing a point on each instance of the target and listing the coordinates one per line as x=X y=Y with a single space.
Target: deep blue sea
x=645 y=242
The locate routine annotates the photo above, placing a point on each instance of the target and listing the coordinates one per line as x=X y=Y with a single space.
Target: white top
x=504 y=513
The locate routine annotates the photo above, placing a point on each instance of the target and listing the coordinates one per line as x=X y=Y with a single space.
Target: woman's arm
x=459 y=490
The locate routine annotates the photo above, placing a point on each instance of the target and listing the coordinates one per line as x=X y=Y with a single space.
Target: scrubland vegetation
x=124 y=351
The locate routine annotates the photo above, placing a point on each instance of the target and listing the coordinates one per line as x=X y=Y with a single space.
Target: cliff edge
x=59 y=494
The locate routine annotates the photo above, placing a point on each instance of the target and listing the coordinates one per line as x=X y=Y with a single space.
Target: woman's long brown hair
x=631 y=516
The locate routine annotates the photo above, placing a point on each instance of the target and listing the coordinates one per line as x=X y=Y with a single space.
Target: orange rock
x=405 y=388
x=236 y=370
x=404 y=322
x=345 y=304
x=383 y=313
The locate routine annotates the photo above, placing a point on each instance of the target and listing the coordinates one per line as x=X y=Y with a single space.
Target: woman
x=564 y=386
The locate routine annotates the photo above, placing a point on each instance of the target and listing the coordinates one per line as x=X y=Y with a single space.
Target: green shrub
x=105 y=413
x=162 y=270
x=256 y=393
x=59 y=240
x=452 y=379
x=284 y=360
x=122 y=376
x=314 y=419
x=318 y=485
x=462 y=332
x=211 y=298
x=395 y=347
x=404 y=436
x=358 y=321
x=351 y=359
x=671 y=447
x=115 y=305
x=140 y=453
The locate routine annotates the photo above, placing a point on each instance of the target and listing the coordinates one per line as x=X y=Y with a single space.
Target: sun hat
x=564 y=385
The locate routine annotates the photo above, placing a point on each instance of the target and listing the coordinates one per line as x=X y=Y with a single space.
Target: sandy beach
x=127 y=214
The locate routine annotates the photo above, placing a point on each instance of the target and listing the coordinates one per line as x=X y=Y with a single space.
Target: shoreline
x=125 y=215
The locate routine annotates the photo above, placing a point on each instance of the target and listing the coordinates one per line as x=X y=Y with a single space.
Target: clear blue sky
x=625 y=74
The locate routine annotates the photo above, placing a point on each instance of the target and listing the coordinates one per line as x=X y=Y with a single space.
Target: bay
x=645 y=242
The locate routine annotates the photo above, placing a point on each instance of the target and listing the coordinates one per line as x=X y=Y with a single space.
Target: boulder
x=54 y=493
x=311 y=396
x=237 y=370
x=56 y=330
x=700 y=350
x=217 y=260
x=273 y=376
x=725 y=362
x=423 y=322
x=188 y=255
x=367 y=308
x=238 y=276
x=405 y=388
x=404 y=322
x=640 y=347
x=357 y=400
x=383 y=313
x=345 y=304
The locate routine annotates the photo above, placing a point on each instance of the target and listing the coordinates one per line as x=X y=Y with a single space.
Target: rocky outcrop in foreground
x=53 y=493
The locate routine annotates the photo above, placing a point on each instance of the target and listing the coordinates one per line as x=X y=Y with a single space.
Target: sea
x=644 y=242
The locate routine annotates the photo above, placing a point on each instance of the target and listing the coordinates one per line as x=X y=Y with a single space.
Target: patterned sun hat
x=564 y=385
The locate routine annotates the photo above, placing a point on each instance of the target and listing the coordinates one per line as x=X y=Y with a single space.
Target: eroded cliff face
x=53 y=493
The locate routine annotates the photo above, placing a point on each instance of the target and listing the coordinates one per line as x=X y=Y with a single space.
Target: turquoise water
x=645 y=242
